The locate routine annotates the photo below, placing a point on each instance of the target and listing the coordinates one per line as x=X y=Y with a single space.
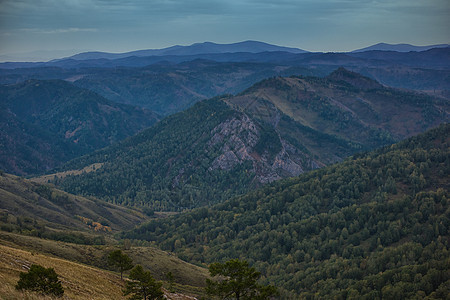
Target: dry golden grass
x=46 y=178
x=189 y=279
x=79 y=281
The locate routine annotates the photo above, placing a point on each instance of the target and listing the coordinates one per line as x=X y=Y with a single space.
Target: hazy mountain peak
x=400 y=47
x=194 y=49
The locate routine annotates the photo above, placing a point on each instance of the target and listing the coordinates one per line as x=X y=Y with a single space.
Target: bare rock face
x=238 y=137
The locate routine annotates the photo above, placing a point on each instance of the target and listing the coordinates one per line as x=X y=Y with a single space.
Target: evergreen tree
x=237 y=280
x=120 y=261
x=142 y=285
x=42 y=280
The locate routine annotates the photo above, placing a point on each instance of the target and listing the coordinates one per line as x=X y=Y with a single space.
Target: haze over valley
x=196 y=152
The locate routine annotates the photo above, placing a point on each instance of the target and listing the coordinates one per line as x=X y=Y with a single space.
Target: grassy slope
x=60 y=210
x=75 y=259
x=79 y=281
x=43 y=209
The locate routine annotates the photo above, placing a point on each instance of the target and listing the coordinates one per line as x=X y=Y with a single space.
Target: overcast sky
x=125 y=25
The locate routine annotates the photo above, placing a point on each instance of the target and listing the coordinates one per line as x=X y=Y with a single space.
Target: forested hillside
x=49 y=122
x=223 y=147
x=198 y=157
x=374 y=226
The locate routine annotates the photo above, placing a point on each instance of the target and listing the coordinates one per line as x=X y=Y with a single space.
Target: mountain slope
x=25 y=148
x=376 y=225
x=280 y=127
x=81 y=280
x=57 y=210
x=203 y=155
x=348 y=105
x=71 y=120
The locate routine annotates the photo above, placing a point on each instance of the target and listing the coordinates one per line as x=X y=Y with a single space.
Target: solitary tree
x=120 y=261
x=42 y=280
x=235 y=279
x=142 y=285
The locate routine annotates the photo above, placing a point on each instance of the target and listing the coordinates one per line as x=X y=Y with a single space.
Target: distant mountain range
x=400 y=47
x=197 y=49
x=194 y=49
x=168 y=84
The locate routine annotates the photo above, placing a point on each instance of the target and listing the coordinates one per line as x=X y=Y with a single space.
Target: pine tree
x=42 y=280
x=142 y=285
x=120 y=261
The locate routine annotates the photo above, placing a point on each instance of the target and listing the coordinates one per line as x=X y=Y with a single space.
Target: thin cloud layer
x=122 y=25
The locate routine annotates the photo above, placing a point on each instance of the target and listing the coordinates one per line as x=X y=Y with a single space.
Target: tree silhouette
x=142 y=285
x=120 y=261
x=237 y=280
x=42 y=280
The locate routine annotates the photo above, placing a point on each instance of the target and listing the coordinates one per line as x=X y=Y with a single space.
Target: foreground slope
x=78 y=281
x=81 y=281
x=41 y=219
x=47 y=122
x=376 y=225
x=280 y=127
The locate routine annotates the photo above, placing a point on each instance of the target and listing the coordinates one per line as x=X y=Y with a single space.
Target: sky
x=49 y=28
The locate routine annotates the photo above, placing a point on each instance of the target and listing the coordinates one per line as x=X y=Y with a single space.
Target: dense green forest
x=375 y=226
x=48 y=122
x=226 y=146
x=202 y=156
x=143 y=170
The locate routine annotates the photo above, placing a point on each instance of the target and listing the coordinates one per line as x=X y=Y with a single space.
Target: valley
x=327 y=172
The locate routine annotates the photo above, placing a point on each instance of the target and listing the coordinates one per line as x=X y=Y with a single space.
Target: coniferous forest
x=226 y=171
x=374 y=226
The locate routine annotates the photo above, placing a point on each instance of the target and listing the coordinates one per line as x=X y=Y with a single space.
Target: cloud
x=59 y=30
x=155 y=23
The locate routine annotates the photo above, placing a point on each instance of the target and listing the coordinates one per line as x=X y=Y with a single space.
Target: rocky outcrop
x=237 y=138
